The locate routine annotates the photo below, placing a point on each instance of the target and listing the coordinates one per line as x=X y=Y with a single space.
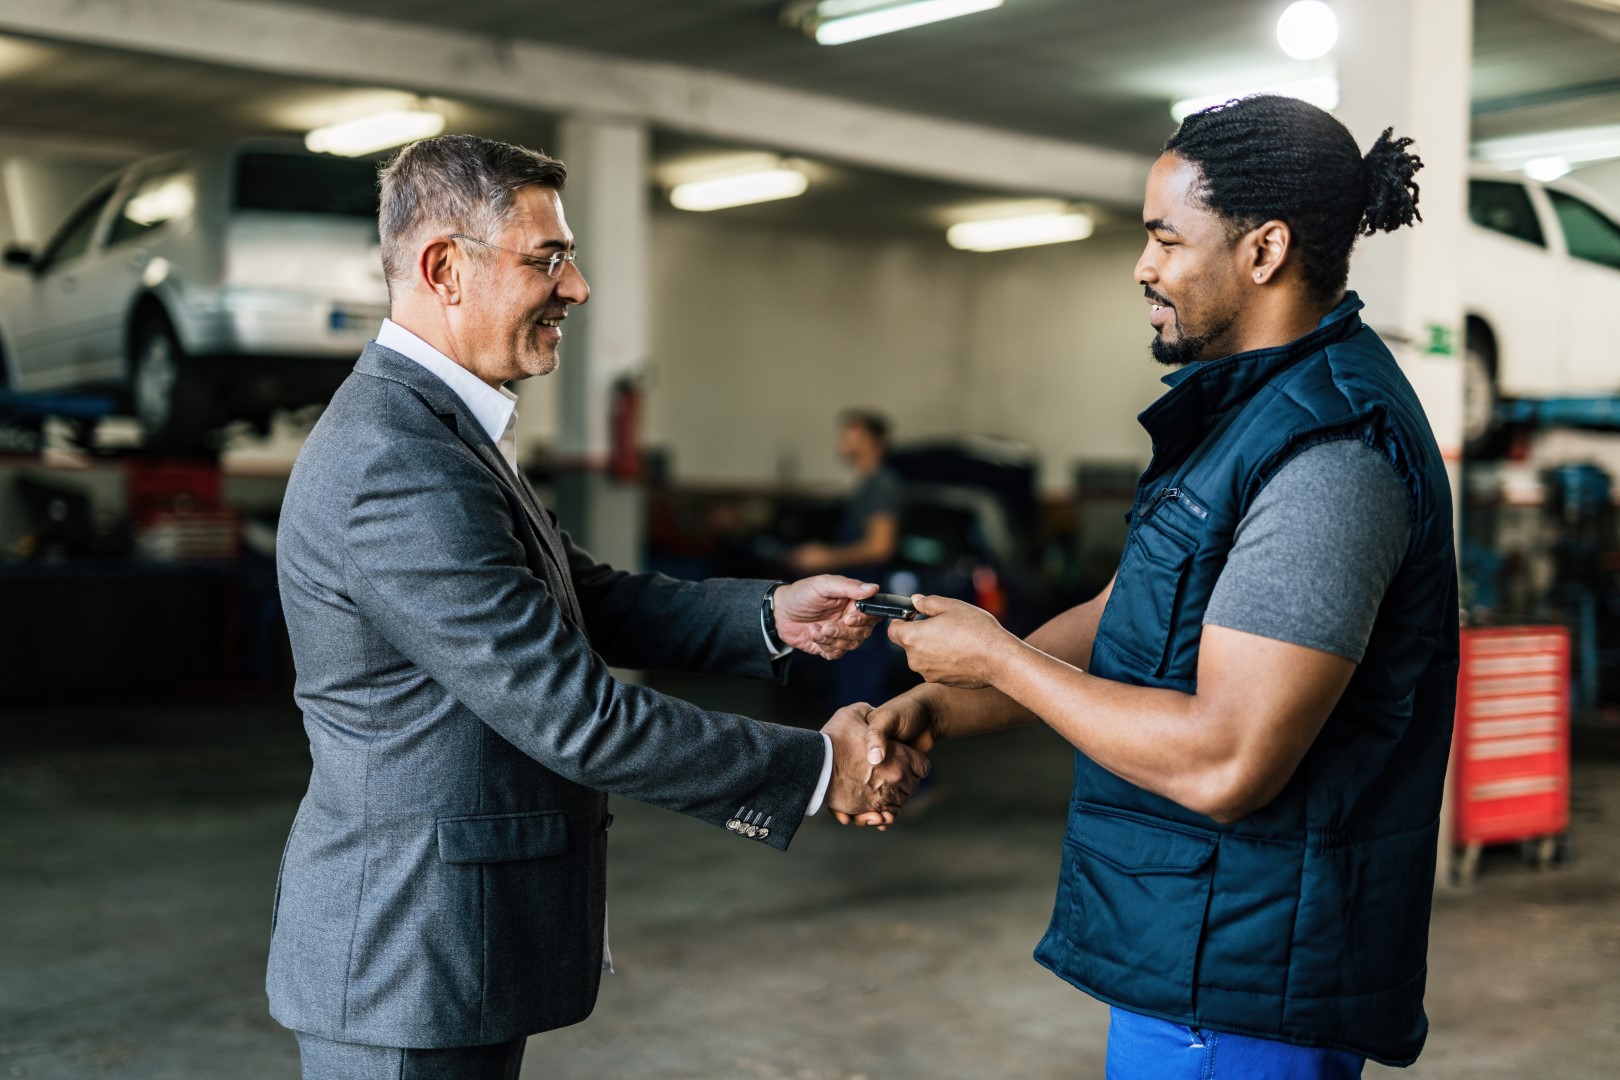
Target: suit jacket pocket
x=498 y=838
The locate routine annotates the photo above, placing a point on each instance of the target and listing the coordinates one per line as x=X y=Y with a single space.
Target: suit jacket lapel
x=550 y=539
x=388 y=364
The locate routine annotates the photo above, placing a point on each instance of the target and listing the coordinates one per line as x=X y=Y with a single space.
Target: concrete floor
x=139 y=847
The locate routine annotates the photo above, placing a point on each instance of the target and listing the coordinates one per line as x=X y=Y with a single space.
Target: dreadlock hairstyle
x=1267 y=158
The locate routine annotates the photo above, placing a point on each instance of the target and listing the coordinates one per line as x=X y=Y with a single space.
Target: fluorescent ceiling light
x=999 y=234
x=1322 y=91
x=739 y=189
x=1547 y=168
x=838 y=22
x=1571 y=148
x=1307 y=30
x=18 y=56
x=368 y=134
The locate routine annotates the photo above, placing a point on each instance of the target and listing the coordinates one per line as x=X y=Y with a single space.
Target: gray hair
x=455 y=183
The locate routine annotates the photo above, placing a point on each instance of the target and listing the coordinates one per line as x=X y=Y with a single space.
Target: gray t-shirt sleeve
x=1319 y=545
x=879 y=493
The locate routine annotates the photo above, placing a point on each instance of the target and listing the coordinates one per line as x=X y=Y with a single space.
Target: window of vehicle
x=73 y=238
x=1504 y=207
x=156 y=200
x=299 y=184
x=1589 y=234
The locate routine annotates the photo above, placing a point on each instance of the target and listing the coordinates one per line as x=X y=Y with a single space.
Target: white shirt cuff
x=826 y=778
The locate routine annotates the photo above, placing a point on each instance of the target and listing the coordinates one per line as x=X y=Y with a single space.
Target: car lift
x=23 y=416
x=1587 y=413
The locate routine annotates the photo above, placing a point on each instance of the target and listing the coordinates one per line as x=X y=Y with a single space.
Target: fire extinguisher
x=624 y=430
x=988 y=593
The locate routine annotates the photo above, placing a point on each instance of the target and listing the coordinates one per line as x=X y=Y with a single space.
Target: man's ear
x=439 y=267
x=1266 y=250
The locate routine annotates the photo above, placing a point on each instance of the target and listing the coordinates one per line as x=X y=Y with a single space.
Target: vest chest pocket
x=1140 y=620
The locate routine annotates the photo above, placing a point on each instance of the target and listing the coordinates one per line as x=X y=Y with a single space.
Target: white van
x=205 y=287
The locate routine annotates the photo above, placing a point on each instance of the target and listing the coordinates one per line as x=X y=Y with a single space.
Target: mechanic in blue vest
x=1262 y=698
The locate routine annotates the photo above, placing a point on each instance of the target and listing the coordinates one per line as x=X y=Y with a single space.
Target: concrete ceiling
x=1100 y=73
x=1058 y=68
x=82 y=102
x=1054 y=68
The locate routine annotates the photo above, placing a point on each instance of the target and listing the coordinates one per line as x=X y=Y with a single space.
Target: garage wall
x=1060 y=342
x=761 y=336
x=36 y=196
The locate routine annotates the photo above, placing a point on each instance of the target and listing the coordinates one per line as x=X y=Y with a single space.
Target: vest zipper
x=1158 y=497
x=1176 y=494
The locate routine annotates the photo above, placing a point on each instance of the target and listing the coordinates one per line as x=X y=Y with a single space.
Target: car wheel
x=170 y=399
x=1485 y=438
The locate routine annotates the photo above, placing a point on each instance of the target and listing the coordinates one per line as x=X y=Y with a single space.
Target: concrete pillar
x=606 y=206
x=1408 y=65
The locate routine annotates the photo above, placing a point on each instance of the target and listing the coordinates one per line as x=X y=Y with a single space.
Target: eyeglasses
x=552 y=264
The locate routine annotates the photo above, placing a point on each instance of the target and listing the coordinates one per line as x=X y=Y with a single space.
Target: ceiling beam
x=68 y=146
x=309 y=43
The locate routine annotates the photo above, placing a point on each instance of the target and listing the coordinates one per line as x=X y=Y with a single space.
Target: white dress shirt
x=496 y=412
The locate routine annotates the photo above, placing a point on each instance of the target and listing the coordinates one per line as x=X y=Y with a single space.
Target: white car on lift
x=1541 y=284
x=201 y=288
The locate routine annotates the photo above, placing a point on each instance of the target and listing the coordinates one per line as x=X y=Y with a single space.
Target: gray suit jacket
x=444 y=882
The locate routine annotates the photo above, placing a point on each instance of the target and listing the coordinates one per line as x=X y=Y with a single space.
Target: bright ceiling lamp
x=1031 y=230
x=739 y=189
x=1547 y=168
x=379 y=131
x=1322 y=91
x=838 y=22
x=1307 y=30
x=1551 y=154
x=18 y=56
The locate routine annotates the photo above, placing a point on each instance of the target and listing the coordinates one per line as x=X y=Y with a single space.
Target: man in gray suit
x=442 y=892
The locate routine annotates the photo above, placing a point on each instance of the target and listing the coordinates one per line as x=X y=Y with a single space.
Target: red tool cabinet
x=1511 y=771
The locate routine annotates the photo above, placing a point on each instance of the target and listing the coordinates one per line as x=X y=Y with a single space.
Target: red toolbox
x=1511 y=772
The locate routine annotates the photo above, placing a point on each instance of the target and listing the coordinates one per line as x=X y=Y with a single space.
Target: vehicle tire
x=1485 y=438
x=170 y=399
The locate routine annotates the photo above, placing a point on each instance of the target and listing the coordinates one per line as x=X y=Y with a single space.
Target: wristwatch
x=768 y=618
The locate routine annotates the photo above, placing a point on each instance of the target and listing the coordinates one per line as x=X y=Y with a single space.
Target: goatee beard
x=1184 y=350
x=1189 y=348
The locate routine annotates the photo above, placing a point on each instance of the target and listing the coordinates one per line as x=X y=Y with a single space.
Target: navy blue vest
x=1308 y=920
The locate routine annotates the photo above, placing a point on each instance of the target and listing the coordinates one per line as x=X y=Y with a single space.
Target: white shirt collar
x=492 y=408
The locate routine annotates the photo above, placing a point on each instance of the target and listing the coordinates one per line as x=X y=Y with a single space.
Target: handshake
x=872 y=776
x=880 y=753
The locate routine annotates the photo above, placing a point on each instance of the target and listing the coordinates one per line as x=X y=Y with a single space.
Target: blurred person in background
x=442 y=893
x=869 y=528
x=864 y=546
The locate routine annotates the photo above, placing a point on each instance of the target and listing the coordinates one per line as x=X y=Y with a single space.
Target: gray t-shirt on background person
x=878 y=493
x=1316 y=551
